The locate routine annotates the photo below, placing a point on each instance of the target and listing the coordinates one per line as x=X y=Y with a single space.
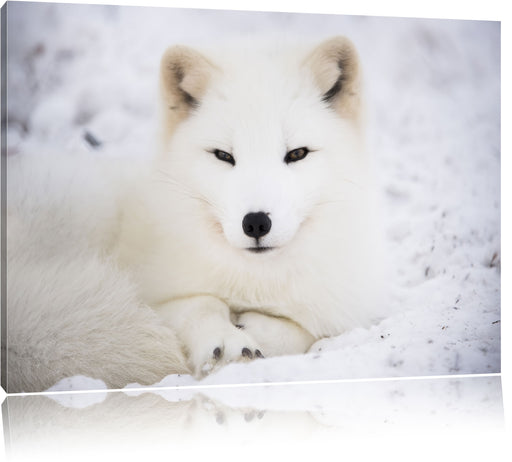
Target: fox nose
x=256 y=224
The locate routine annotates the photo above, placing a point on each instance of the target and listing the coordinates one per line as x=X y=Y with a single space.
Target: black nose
x=256 y=224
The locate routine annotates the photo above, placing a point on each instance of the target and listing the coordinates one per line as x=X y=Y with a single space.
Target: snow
x=433 y=91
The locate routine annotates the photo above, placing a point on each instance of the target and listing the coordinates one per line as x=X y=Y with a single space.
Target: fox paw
x=233 y=346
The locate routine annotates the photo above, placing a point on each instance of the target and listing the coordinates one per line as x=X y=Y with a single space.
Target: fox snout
x=256 y=224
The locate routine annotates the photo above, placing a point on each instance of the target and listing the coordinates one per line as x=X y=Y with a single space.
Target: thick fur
x=174 y=241
x=70 y=310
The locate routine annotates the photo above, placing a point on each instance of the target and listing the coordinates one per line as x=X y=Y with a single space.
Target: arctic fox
x=251 y=235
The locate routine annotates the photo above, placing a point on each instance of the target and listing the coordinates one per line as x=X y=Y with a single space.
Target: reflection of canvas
x=288 y=417
x=252 y=235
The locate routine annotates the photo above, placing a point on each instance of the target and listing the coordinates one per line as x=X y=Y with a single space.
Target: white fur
x=322 y=277
x=80 y=285
x=69 y=308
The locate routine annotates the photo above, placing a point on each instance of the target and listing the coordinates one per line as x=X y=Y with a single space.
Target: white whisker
x=185 y=190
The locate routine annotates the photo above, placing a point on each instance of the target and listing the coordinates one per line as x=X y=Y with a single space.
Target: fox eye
x=296 y=154
x=224 y=156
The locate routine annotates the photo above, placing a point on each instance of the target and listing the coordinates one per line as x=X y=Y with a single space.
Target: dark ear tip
x=184 y=76
x=337 y=72
x=339 y=49
x=174 y=61
x=175 y=52
x=341 y=44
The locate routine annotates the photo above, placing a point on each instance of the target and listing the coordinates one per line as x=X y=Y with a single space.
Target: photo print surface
x=221 y=197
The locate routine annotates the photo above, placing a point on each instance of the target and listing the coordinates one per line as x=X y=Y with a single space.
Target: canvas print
x=210 y=197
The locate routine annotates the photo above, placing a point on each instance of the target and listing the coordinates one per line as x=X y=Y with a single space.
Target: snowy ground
x=434 y=117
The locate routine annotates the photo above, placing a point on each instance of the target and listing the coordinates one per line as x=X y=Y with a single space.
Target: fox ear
x=336 y=71
x=184 y=77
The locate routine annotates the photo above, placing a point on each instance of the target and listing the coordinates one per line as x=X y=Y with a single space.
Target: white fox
x=251 y=235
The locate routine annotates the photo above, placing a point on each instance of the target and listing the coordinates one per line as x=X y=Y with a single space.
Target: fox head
x=264 y=142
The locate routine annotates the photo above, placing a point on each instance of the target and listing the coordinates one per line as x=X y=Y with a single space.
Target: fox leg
x=210 y=339
x=276 y=335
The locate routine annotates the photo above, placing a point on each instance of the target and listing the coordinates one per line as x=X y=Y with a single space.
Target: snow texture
x=433 y=97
